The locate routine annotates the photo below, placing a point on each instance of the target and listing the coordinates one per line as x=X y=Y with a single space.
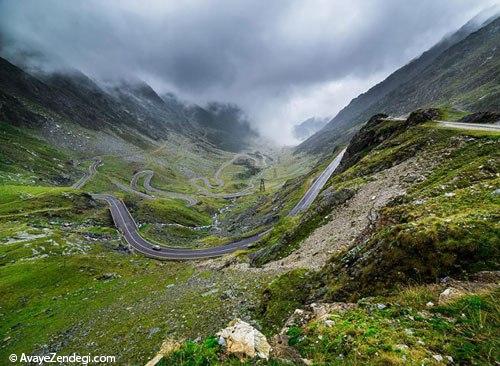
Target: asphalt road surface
x=88 y=175
x=470 y=126
x=316 y=187
x=125 y=223
x=220 y=182
x=148 y=175
x=461 y=125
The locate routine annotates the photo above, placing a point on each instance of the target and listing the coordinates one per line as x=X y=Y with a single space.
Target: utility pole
x=262 y=186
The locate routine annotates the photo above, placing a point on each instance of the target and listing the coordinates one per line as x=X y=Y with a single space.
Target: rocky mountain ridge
x=35 y=100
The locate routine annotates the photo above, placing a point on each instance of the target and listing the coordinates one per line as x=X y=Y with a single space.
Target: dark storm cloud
x=266 y=55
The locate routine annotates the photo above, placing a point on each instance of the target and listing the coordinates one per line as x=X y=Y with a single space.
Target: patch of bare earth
x=349 y=220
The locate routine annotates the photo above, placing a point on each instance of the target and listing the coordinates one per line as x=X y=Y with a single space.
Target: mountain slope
x=122 y=109
x=436 y=77
x=309 y=127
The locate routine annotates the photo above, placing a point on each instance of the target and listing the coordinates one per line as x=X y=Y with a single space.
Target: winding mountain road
x=148 y=175
x=220 y=182
x=125 y=223
x=88 y=175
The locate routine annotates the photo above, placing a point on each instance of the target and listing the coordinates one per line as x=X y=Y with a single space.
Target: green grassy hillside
x=386 y=291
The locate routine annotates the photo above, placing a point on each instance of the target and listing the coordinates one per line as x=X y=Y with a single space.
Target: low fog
x=281 y=61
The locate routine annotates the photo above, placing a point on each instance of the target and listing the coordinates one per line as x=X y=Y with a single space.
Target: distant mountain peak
x=310 y=126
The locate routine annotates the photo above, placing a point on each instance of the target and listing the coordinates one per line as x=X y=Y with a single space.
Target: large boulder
x=241 y=339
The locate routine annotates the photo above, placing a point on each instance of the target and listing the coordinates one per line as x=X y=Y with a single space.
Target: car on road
x=156 y=247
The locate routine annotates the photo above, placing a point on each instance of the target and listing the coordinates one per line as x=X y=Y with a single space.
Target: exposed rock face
x=482 y=117
x=243 y=340
x=366 y=139
x=421 y=116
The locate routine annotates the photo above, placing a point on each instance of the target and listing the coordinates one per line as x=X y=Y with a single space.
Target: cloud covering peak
x=282 y=61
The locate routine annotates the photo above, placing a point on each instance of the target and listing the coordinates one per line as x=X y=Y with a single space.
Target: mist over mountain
x=452 y=73
x=148 y=216
x=281 y=62
x=308 y=127
x=35 y=101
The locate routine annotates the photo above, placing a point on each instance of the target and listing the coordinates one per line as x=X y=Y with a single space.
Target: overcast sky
x=282 y=61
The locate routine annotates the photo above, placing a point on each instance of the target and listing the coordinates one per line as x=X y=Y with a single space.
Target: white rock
x=244 y=340
x=430 y=304
x=449 y=194
x=329 y=323
x=449 y=294
x=402 y=347
x=438 y=358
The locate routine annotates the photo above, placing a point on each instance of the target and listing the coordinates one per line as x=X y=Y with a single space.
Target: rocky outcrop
x=379 y=129
x=482 y=117
x=364 y=141
x=243 y=340
x=422 y=115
